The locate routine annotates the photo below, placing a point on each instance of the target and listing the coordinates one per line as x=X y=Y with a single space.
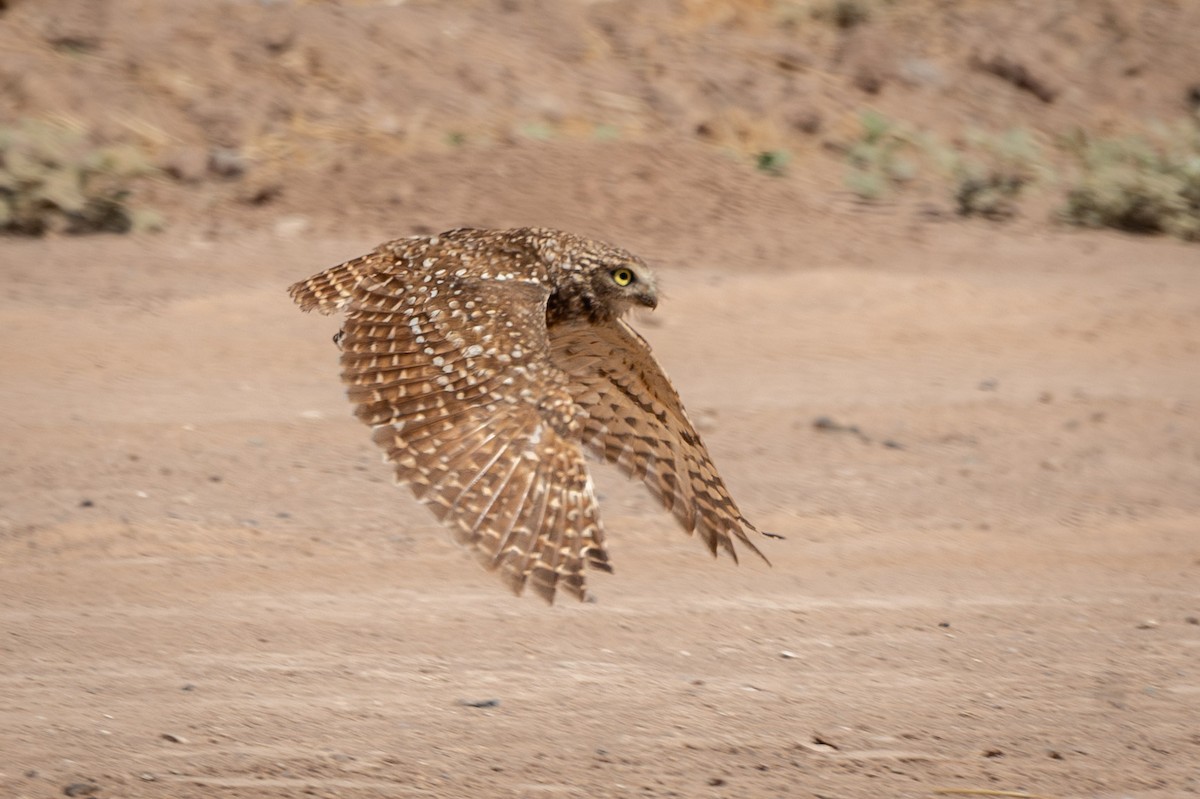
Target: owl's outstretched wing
x=636 y=420
x=453 y=374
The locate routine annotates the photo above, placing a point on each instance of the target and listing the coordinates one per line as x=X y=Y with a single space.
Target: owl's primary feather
x=485 y=361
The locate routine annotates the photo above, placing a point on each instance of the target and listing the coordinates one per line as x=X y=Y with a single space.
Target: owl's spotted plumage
x=487 y=362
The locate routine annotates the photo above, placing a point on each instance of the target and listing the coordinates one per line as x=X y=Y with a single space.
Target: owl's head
x=622 y=284
x=594 y=279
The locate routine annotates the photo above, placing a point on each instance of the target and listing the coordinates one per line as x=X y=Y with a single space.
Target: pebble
x=287 y=227
x=226 y=162
x=185 y=164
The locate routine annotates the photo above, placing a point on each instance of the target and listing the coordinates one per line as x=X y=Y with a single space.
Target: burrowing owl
x=487 y=361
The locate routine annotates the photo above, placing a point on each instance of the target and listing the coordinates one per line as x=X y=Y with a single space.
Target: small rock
x=291 y=226
x=278 y=35
x=716 y=781
x=920 y=72
x=787 y=655
x=185 y=164
x=1192 y=97
x=146 y=776
x=808 y=122
x=261 y=191
x=226 y=162
x=81 y=789
x=827 y=424
x=173 y=738
x=793 y=60
x=1192 y=619
x=86 y=503
x=705 y=420
x=822 y=744
x=479 y=702
x=1017 y=73
x=868 y=79
x=1148 y=624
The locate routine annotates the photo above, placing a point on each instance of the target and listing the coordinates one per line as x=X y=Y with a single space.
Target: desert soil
x=981 y=443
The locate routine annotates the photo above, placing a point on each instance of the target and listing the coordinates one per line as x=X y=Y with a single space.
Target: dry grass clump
x=53 y=181
x=1139 y=184
x=880 y=159
x=990 y=172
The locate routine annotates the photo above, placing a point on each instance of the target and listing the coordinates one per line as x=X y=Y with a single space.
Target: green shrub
x=773 y=162
x=876 y=159
x=1139 y=184
x=52 y=181
x=990 y=172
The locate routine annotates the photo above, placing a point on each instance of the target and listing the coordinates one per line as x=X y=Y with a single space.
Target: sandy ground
x=210 y=587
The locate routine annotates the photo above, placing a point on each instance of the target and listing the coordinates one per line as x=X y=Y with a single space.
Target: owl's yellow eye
x=622 y=277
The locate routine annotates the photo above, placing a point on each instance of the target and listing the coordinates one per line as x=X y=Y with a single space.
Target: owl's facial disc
x=635 y=286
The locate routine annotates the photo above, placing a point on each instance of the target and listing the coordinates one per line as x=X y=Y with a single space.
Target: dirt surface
x=981 y=442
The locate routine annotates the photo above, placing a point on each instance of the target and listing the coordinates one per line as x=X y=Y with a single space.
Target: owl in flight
x=487 y=362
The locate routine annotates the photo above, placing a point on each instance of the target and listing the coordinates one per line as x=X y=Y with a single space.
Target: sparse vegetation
x=842 y=14
x=876 y=160
x=1140 y=184
x=773 y=162
x=846 y=14
x=52 y=180
x=991 y=171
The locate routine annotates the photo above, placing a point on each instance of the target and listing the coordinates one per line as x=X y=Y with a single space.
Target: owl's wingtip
x=745 y=539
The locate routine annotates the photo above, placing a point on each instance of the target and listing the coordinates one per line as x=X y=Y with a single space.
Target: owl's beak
x=649 y=299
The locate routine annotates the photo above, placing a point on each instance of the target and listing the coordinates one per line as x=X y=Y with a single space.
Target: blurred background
x=646 y=118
